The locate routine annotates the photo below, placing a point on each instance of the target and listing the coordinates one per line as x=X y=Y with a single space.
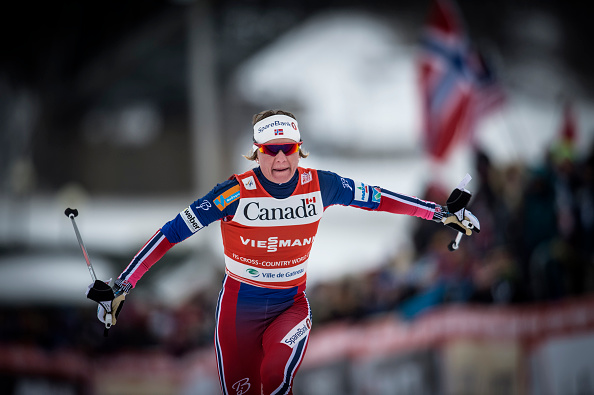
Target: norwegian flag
x=457 y=86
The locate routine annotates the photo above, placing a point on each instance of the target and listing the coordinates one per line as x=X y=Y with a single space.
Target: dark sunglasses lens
x=273 y=149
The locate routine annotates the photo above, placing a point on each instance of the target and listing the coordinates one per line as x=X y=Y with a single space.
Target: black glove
x=456 y=216
x=458 y=200
x=110 y=302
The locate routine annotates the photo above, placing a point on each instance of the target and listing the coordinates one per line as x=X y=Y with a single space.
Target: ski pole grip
x=464 y=182
x=71 y=212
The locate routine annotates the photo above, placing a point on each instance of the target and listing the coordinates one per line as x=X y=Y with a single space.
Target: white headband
x=276 y=127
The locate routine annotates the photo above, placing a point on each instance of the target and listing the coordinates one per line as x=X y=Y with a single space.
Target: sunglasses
x=274 y=149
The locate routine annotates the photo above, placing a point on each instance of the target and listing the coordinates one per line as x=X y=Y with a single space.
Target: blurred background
x=129 y=111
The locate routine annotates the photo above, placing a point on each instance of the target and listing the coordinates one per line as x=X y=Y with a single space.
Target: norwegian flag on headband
x=457 y=86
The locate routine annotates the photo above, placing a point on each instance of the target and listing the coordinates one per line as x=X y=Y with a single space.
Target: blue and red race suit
x=263 y=317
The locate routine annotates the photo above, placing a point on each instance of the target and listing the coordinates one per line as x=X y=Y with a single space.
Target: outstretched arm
x=148 y=255
x=347 y=192
x=198 y=215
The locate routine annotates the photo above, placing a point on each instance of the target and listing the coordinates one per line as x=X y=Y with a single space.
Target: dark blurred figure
x=495 y=279
x=538 y=228
x=556 y=226
x=585 y=236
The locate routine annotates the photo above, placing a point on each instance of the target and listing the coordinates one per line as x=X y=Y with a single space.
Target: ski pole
x=72 y=213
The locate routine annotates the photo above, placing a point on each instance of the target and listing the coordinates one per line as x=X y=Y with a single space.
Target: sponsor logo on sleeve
x=298 y=333
x=345 y=184
x=227 y=197
x=191 y=220
x=361 y=191
x=249 y=183
x=377 y=195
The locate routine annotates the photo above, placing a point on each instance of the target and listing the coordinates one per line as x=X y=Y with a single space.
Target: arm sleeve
x=148 y=255
x=347 y=192
x=398 y=203
x=220 y=202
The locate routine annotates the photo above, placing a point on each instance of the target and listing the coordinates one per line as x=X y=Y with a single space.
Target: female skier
x=269 y=217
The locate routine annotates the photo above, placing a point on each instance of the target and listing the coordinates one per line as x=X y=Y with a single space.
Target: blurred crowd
x=535 y=244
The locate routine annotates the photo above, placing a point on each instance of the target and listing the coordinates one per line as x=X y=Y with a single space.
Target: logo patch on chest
x=249 y=183
x=306 y=178
x=299 y=209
